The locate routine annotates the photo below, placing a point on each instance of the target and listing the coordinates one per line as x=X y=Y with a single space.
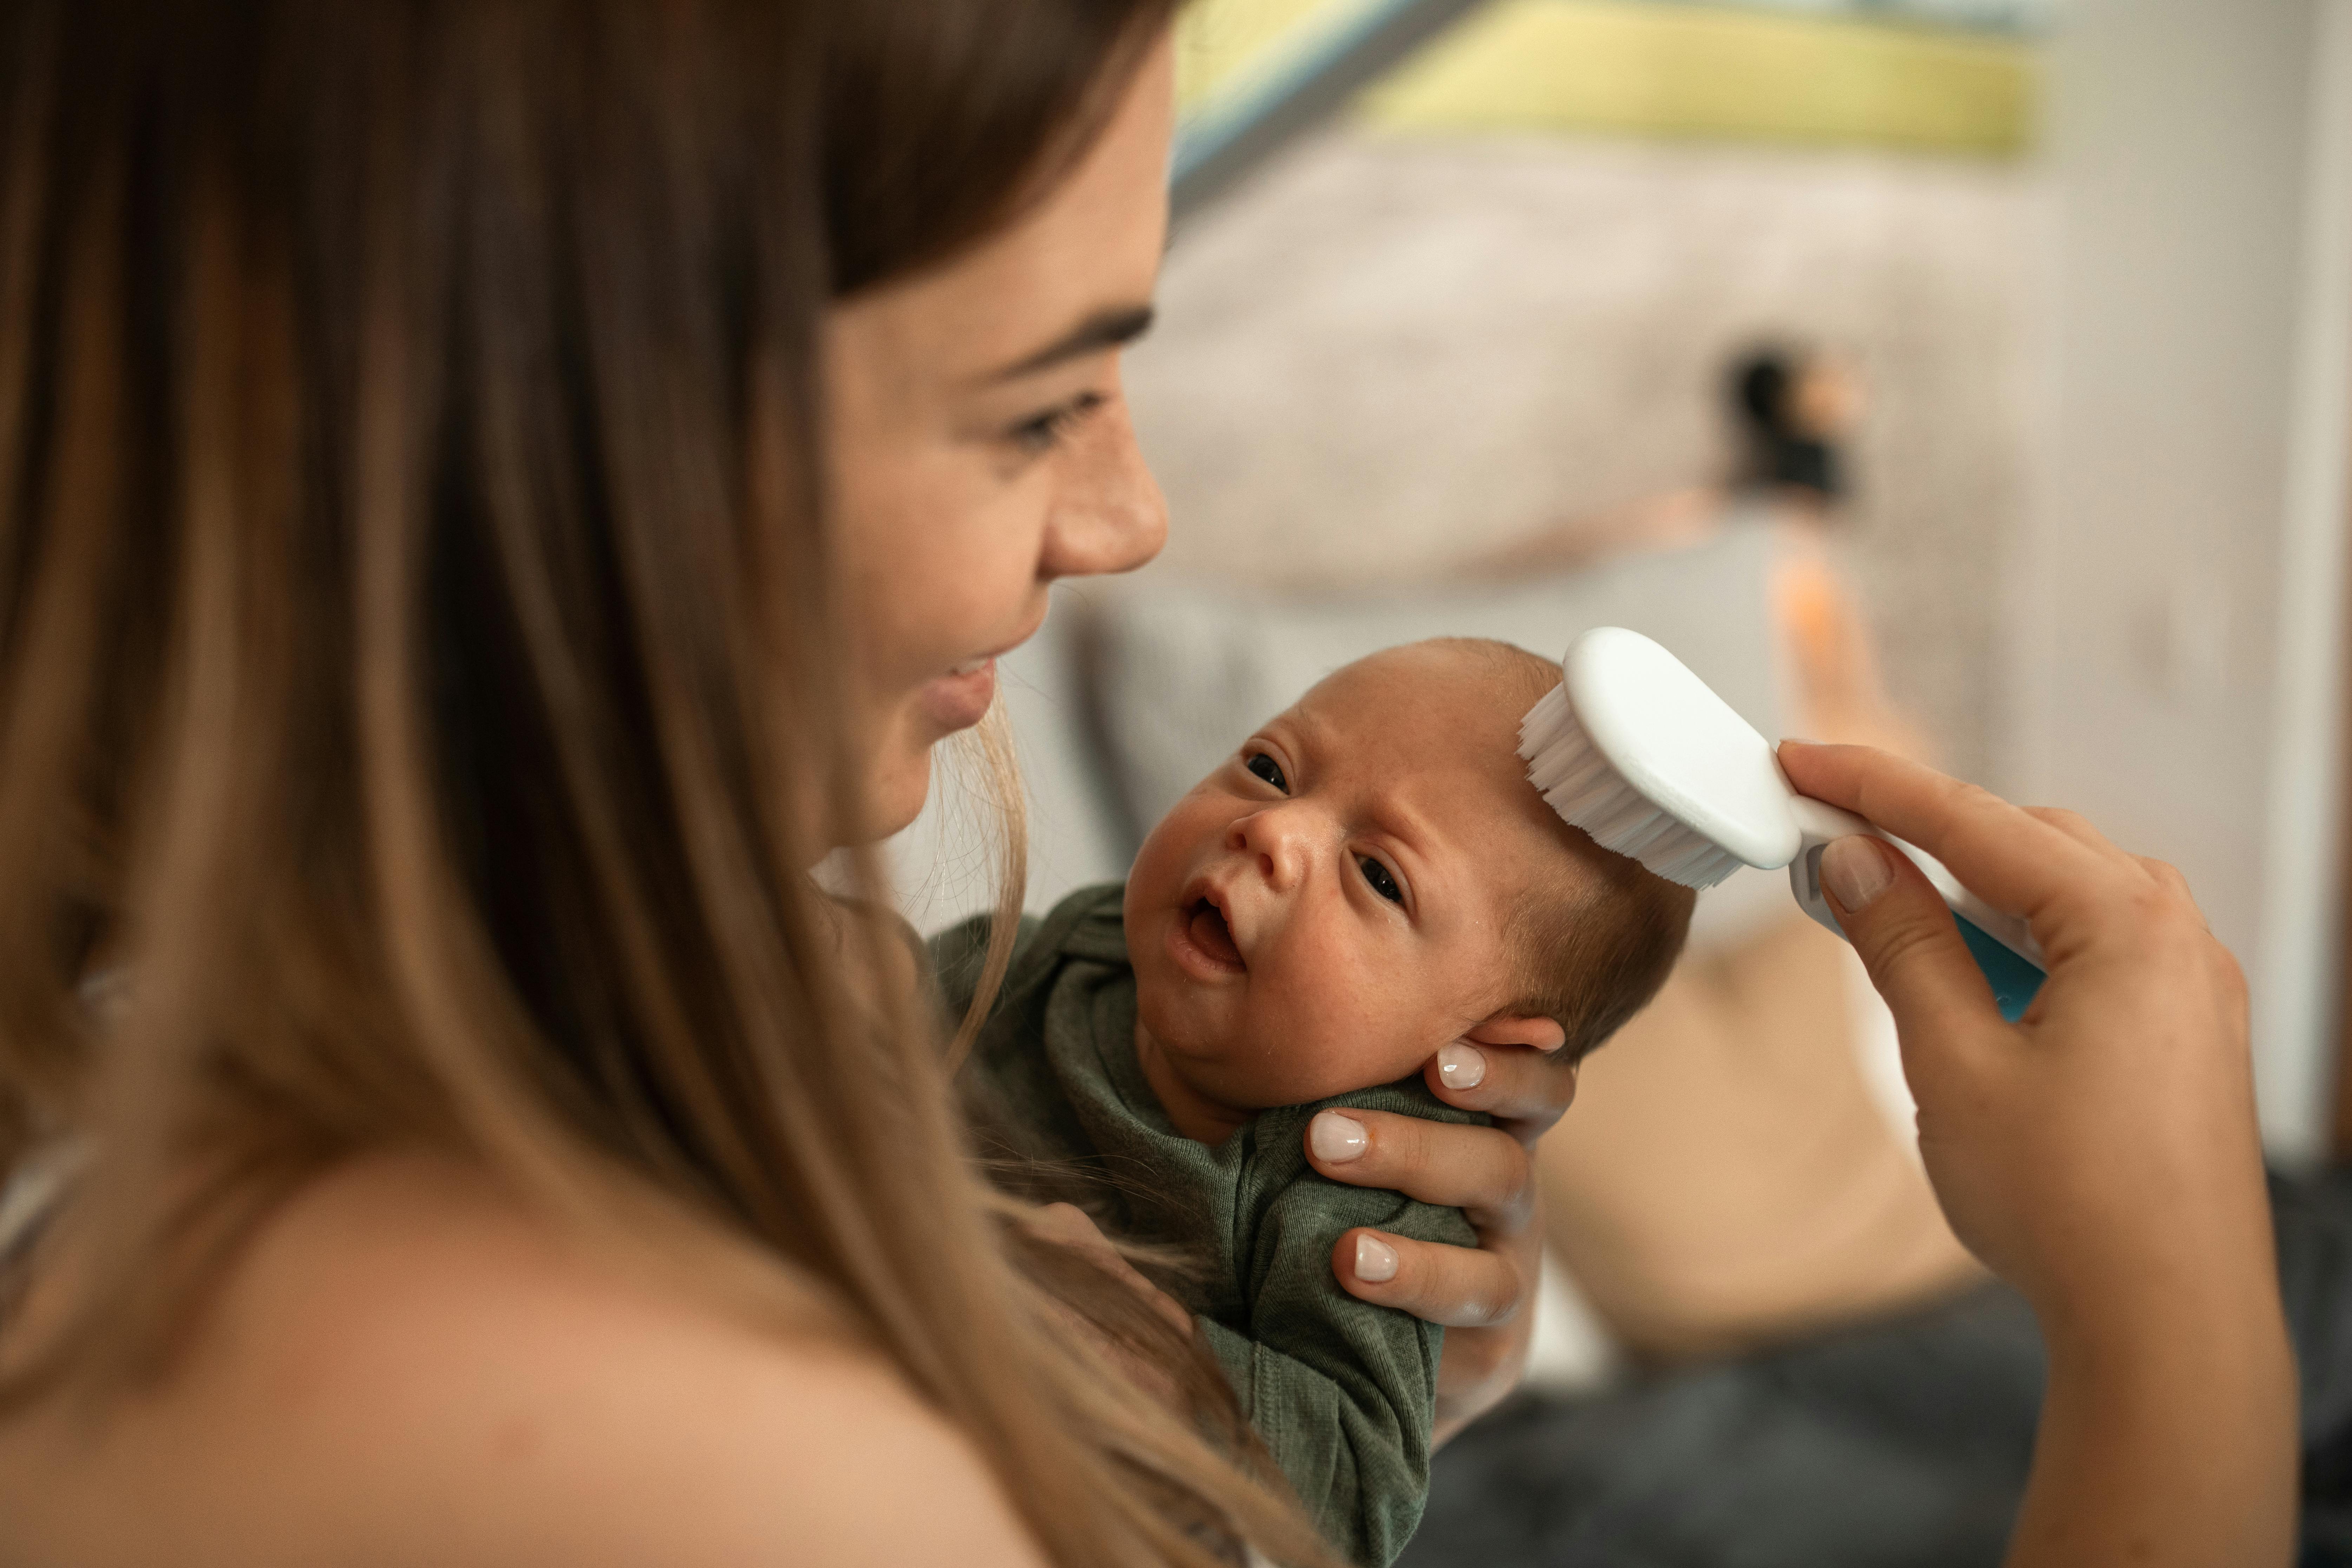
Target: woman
x=495 y=490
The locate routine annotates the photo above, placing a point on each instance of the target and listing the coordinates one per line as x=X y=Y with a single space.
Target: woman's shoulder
x=403 y=1367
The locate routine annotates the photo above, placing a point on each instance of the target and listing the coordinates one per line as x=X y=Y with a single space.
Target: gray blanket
x=1901 y=1445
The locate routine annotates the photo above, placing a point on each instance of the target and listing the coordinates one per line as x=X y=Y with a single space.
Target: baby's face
x=1327 y=909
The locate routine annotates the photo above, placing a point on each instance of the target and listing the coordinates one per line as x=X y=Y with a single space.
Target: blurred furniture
x=1900 y=1443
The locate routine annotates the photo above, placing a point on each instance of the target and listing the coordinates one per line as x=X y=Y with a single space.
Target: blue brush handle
x=2004 y=949
x=2014 y=981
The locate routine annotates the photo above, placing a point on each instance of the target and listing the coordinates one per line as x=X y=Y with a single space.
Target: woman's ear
x=1517 y=1030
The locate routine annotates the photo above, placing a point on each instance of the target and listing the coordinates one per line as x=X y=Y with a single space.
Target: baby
x=1367 y=879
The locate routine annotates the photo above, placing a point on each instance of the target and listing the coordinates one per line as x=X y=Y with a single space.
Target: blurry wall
x=2176 y=595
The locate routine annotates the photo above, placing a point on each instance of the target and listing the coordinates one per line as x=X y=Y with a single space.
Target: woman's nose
x=1276 y=840
x=1108 y=514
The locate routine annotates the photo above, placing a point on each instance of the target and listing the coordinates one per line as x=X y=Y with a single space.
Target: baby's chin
x=1252 y=1070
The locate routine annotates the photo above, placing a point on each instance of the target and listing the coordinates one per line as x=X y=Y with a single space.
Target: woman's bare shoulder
x=405 y=1369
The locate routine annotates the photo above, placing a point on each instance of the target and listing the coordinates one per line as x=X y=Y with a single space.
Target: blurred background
x=1969 y=377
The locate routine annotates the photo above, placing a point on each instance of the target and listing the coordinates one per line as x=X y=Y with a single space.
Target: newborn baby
x=1370 y=878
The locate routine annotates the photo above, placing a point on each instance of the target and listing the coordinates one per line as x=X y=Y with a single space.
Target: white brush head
x=1635 y=749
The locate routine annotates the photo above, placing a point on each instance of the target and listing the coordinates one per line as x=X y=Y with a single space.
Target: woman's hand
x=2100 y=1154
x=1483 y=1295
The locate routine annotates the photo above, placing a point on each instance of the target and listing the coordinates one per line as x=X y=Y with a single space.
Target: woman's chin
x=899 y=779
x=895 y=788
x=897 y=799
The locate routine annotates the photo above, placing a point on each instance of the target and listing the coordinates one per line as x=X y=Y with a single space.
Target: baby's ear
x=1515 y=1029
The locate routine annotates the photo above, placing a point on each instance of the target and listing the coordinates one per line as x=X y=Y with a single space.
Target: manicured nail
x=1855 y=870
x=1461 y=1065
x=1336 y=1138
x=1376 y=1260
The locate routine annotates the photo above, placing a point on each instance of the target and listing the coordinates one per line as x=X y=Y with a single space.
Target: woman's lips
x=1203 y=943
x=958 y=701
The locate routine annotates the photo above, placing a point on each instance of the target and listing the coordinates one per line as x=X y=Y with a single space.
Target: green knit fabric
x=1343 y=1392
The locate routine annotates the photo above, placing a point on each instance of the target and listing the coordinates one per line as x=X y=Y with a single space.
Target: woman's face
x=980 y=448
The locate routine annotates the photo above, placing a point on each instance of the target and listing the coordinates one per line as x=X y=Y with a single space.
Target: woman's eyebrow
x=1105 y=328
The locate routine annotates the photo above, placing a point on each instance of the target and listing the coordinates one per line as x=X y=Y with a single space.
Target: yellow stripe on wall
x=1225 y=46
x=1630 y=67
x=1666 y=70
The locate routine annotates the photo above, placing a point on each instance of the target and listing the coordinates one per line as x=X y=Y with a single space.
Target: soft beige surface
x=1727 y=1177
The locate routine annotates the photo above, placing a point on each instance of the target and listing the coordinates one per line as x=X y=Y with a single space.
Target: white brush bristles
x=1588 y=792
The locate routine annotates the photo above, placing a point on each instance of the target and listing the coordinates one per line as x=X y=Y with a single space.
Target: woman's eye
x=1043 y=433
x=1267 y=768
x=1383 y=883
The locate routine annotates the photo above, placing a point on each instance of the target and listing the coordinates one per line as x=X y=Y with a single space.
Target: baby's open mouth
x=1205 y=924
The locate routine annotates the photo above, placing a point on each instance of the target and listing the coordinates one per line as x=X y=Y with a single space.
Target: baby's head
x=1370 y=877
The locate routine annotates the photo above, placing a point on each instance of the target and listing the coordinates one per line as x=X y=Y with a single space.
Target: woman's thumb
x=1902 y=930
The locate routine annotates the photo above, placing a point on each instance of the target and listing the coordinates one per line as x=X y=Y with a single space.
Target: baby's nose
x=1273 y=840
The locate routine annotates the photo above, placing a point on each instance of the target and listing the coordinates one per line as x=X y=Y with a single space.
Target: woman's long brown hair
x=419 y=699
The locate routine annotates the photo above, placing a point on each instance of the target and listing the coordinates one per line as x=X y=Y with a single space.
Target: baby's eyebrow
x=1397 y=821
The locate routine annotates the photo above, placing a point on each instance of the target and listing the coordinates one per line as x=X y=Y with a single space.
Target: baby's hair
x=1596 y=934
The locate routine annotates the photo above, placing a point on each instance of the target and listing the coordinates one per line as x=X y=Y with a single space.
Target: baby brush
x=1635 y=749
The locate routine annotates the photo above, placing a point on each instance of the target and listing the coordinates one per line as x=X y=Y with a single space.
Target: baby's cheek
x=1339 y=1032
x=1151 y=880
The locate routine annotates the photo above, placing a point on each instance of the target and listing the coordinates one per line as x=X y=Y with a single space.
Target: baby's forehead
x=1455 y=699
x=1434 y=728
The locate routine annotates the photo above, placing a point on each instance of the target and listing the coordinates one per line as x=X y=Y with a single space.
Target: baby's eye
x=1267 y=768
x=1383 y=883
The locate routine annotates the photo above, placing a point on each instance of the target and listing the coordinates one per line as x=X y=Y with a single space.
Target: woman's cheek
x=941 y=567
x=898 y=775
x=994 y=565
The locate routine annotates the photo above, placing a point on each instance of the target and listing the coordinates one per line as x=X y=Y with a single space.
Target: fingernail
x=1461 y=1066
x=1855 y=870
x=1376 y=1260
x=1336 y=1138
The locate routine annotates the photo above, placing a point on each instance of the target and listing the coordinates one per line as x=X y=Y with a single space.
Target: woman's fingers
x=2074 y=825
x=1459 y=1287
x=1486 y=1173
x=1477 y=1371
x=2077 y=827
x=2012 y=860
x=2167 y=876
x=1482 y=1171
x=1524 y=1088
x=1900 y=925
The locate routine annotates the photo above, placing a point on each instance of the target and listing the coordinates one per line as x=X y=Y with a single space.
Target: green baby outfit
x=1344 y=1393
